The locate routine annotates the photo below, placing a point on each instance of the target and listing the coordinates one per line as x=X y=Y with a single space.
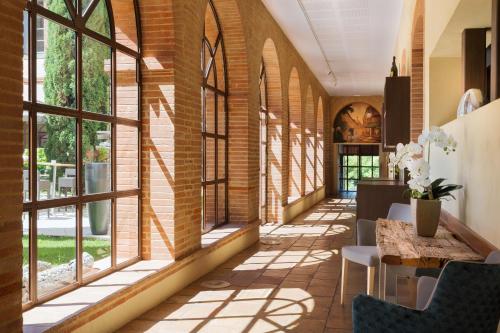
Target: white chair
x=67 y=182
x=365 y=252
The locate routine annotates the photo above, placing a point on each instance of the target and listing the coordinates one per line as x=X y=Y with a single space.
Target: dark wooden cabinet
x=375 y=197
x=396 y=112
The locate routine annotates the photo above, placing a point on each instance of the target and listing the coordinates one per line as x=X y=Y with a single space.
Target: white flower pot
x=425 y=216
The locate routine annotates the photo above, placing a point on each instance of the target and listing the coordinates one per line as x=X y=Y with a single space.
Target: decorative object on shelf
x=470 y=101
x=426 y=195
x=394 y=68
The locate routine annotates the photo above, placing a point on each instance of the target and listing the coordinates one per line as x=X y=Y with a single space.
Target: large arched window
x=263 y=146
x=214 y=124
x=81 y=143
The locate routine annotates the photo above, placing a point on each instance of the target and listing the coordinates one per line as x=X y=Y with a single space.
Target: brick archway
x=275 y=198
x=295 y=180
x=309 y=142
x=320 y=145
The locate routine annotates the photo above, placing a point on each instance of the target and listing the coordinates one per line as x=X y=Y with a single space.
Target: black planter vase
x=98 y=180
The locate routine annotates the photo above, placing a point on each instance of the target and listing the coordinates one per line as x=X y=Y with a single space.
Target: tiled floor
x=288 y=287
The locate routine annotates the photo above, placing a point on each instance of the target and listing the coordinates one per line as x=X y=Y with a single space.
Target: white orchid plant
x=410 y=156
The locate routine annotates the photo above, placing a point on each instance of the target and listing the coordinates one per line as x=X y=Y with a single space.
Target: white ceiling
x=358 y=38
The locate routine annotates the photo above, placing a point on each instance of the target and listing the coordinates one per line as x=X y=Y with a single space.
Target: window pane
x=56 y=6
x=127 y=232
x=366 y=172
x=127 y=90
x=125 y=23
x=221 y=159
x=353 y=160
x=221 y=120
x=96 y=255
x=26 y=256
x=221 y=204
x=26 y=156
x=26 y=79
x=366 y=160
x=127 y=157
x=210 y=158
x=376 y=172
x=209 y=111
x=219 y=61
x=56 y=156
x=85 y=5
x=99 y=20
x=96 y=76
x=56 y=64
x=211 y=28
x=351 y=185
x=210 y=207
x=96 y=156
x=56 y=248
x=376 y=161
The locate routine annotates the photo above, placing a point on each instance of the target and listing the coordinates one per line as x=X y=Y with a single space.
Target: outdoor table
x=398 y=244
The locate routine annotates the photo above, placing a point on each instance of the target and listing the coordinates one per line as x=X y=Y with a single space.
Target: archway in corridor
x=320 y=178
x=310 y=140
x=295 y=185
x=272 y=196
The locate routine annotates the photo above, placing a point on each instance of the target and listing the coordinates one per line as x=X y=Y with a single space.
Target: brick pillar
x=309 y=141
x=295 y=179
x=11 y=136
x=320 y=145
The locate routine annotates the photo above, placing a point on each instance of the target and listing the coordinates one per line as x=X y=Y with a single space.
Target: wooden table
x=398 y=244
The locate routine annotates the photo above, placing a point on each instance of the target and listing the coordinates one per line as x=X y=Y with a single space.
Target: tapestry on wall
x=357 y=123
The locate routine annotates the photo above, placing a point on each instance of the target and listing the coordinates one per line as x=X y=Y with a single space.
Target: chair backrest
x=493 y=257
x=70 y=172
x=466 y=298
x=401 y=212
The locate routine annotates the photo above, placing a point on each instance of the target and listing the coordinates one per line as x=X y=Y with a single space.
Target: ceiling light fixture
x=309 y=22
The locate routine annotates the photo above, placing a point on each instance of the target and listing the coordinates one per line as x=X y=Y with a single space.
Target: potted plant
x=98 y=180
x=426 y=195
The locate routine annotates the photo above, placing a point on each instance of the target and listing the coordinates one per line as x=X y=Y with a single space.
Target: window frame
x=205 y=86
x=344 y=168
x=263 y=145
x=33 y=205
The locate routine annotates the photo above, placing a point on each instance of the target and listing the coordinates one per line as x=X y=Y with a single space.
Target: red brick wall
x=11 y=29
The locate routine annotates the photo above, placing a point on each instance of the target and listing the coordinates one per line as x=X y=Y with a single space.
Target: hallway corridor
x=292 y=286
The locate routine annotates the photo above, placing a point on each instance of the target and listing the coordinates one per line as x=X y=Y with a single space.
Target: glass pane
x=96 y=255
x=56 y=64
x=127 y=157
x=219 y=61
x=211 y=28
x=56 y=248
x=56 y=6
x=376 y=172
x=99 y=20
x=26 y=156
x=351 y=185
x=352 y=173
x=353 y=160
x=211 y=75
x=221 y=204
x=207 y=57
x=376 y=161
x=209 y=111
x=221 y=120
x=85 y=5
x=96 y=156
x=56 y=156
x=125 y=23
x=221 y=167
x=366 y=160
x=210 y=158
x=127 y=89
x=127 y=228
x=26 y=79
x=209 y=207
x=366 y=172
x=26 y=256
x=96 y=76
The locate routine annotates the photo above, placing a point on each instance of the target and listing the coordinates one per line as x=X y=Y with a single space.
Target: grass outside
x=60 y=250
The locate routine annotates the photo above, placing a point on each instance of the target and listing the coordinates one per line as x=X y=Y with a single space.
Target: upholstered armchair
x=466 y=298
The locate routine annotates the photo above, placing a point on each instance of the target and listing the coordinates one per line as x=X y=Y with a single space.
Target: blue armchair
x=466 y=299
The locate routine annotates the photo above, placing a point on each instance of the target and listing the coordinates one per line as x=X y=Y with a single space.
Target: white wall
x=475 y=165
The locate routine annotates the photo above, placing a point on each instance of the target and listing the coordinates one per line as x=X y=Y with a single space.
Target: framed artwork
x=357 y=123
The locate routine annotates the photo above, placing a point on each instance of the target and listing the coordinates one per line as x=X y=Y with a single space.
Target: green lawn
x=60 y=250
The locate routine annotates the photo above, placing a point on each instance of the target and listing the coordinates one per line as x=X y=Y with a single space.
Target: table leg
x=382 y=280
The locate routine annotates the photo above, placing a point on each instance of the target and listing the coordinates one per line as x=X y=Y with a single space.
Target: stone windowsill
x=67 y=306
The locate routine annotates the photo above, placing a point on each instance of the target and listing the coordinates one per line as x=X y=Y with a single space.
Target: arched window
x=214 y=124
x=81 y=143
x=263 y=147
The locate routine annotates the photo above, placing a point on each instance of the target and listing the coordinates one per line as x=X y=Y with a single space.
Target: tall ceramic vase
x=425 y=216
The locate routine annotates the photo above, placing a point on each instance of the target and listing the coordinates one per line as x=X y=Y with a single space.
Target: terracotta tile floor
x=288 y=287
